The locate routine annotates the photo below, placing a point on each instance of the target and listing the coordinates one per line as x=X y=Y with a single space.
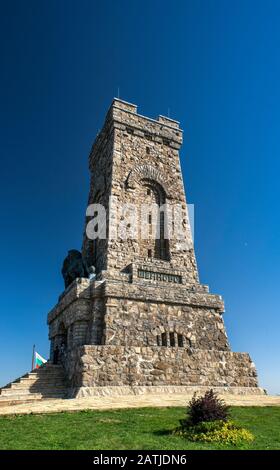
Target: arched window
x=152 y=194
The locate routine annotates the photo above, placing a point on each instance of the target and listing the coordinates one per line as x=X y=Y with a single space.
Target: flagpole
x=33 y=352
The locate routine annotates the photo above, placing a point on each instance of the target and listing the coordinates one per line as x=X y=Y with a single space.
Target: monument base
x=120 y=370
x=188 y=391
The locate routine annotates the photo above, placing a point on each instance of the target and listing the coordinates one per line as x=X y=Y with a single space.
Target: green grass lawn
x=145 y=428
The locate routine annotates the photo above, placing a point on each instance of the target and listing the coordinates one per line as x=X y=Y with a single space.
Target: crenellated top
x=132 y=108
x=123 y=116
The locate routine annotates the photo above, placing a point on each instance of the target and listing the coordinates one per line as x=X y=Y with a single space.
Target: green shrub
x=206 y=408
x=208 y=421
x=226 y=432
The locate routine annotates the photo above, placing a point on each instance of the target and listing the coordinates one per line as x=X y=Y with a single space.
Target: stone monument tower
x=142 y=320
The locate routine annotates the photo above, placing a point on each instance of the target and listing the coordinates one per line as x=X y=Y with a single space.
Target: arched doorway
x=60 y=344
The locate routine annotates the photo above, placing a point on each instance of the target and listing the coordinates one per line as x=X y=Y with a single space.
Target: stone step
x=43 y=390
x=26 y=383
x=30 y=380
x=26 y=394
x=31 y=387
x=22 y=387
x=39 y=375
x=34 y=389
x=45 y=373
x=10 y=391
x=10 y=402
x=46 y=382
x=21 y=396
x=42 y=378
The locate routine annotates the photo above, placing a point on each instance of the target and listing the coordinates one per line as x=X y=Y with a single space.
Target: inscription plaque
x=155 y=276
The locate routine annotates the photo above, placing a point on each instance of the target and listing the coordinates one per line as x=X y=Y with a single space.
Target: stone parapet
x=80 y=288
x=174 y=294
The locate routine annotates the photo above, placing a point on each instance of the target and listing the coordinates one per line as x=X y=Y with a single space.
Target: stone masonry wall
x=138 y=314
x=78 y=318
x=133 y=323
x=91 y=366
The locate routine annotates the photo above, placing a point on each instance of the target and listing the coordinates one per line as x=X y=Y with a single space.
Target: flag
x=39 y=360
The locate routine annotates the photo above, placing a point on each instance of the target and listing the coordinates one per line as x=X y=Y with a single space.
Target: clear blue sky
x=216 y=65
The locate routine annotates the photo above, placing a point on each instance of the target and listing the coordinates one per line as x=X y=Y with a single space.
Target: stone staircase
x=46 y=382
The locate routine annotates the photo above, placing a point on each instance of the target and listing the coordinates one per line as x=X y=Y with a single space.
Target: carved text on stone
x=155 y=276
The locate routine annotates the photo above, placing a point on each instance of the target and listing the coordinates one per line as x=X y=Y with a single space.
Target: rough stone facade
x=145 y=321
x=92 y=366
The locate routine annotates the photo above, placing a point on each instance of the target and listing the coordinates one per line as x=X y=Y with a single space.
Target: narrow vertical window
x=172 y=339
x=164 y=339
x=180 y=341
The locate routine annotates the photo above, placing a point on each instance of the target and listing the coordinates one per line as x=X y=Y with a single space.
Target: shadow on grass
x=163 y=432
